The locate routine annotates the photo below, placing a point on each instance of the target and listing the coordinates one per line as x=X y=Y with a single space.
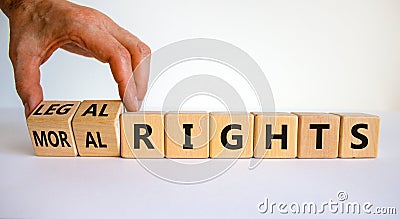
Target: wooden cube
x=50 y=128
x=275 y=135
x=359 y=135
x=231 y=135
x=96 y=128
x=186 y=135
x=142 y=135
x=318 y=135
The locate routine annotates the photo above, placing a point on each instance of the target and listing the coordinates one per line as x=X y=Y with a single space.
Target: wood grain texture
x=307 y=146
x=236 y=129
x=276 y=147
x=50 y=128
x=140 y=121
x=364 y=124
x=175 y=137
x=96 y=128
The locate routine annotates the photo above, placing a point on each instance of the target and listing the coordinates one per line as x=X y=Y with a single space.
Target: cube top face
x=142 y=113
x=312 y=114
x=323 y=117
x=47 y=111
x=318 y=135
x=231 y=135
x=356 y=115
x=142 y=135
x=271 y=114
x=233 y=117
x=229 y=113
x=186 y=113
x=186 y=135
x=359 y=135
x=275 y=135
x=99 y=111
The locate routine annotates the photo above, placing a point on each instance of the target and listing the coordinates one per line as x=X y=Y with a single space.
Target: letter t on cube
x=318 y=135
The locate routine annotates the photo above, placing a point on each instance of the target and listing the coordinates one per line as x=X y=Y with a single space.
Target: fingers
x=120 y=65
x=107 y=49
x=140 y=58
x=142 y=70
x=27 y=81
x=85 y=32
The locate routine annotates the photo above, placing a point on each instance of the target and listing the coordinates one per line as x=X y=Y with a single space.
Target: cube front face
x=318 y=135
x=142 y=135
x=359 y=136
x=96 y=128
x=275 y=135
x=91 y=128
x=231 y=135
x=187 y=135
x=50 y=129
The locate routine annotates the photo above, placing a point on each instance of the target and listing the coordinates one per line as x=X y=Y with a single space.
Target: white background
x=317 y=55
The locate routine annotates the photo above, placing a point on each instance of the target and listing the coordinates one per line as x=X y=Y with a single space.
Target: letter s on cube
x=359 y=135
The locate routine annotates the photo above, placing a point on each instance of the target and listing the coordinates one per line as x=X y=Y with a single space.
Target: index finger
x=107 y=49
x=140 y=58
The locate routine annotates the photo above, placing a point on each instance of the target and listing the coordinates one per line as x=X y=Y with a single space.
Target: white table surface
x=78 y=187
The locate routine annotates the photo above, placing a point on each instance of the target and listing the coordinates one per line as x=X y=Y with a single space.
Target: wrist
x=11 y=7
x=7 y=6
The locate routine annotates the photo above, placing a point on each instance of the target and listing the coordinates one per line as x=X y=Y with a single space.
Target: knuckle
x=85 y=14
x=123 y=52
x=145 y=49
x=84 y=19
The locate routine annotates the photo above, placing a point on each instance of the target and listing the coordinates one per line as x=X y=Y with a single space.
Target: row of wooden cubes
x=92 y=128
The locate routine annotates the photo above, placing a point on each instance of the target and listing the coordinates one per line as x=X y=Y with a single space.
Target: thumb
x=27 y=83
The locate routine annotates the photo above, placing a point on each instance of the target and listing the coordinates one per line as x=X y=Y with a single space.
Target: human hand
x=39 y=27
